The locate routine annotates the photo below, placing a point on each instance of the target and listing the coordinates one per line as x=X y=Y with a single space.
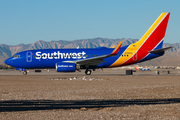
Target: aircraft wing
x=100 y=59
x=97 y=60
x=91 y=61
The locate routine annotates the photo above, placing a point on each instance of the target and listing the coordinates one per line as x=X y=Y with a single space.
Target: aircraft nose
x=7 y=61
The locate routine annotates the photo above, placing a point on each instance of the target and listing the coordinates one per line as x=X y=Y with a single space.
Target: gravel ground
x=99 y=96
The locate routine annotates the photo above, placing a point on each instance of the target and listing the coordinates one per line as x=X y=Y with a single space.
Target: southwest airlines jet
x=142 y=69
x=70 y=60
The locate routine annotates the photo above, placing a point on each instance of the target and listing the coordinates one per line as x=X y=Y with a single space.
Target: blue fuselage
x=47 y=58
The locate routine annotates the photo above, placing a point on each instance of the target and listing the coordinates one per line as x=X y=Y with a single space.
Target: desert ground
x=106 y=95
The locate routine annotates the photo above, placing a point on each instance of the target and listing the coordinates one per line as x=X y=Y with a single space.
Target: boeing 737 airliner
x=142 y=69
x=70 y=60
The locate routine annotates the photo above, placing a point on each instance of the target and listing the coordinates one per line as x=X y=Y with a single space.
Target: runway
x=98 y=72
x=108 y=94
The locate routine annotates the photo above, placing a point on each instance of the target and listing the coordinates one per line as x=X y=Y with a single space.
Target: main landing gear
x=88 y=72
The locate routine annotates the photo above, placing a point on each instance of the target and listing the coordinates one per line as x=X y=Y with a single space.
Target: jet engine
x=66 y=67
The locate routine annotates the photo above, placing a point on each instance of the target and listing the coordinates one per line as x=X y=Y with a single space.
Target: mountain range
x=171 y=57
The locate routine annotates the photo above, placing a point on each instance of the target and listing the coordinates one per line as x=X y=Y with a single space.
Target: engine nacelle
x=65 y=67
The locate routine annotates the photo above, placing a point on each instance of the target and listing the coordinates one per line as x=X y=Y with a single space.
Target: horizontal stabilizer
x=160 y=50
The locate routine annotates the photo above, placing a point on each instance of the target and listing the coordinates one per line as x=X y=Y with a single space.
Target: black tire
x=88 y=72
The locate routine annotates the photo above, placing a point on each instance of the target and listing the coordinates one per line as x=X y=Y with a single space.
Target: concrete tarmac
x=98 y=72
x=108 y=94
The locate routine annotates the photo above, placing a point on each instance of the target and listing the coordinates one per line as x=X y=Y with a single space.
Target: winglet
x=116 y=50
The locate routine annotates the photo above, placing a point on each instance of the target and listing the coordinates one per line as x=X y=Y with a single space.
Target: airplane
x=143 y=69
x=71 y=60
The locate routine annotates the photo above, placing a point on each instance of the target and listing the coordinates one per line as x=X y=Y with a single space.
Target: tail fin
x=153 y=38
x=136 y=67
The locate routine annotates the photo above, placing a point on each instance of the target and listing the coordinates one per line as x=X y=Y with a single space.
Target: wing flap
x=91 y=61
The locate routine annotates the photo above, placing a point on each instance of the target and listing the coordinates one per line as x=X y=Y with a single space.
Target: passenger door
x=135 y=56
x=29 y=56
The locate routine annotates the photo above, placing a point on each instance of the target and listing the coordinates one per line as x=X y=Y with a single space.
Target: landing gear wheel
x=88 y=72
x=24 y=72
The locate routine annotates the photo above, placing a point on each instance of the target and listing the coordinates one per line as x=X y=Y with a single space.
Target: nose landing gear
x=24 y=72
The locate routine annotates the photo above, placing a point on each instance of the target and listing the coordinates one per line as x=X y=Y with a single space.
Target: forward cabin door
x=29 y=56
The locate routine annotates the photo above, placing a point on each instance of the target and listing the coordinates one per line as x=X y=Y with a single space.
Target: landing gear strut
x=88 y=72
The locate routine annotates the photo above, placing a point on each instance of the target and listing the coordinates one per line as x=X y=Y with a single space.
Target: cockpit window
x=16 y=56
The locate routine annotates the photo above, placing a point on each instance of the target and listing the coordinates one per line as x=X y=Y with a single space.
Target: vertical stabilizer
x=136 y=67
x=151 y=40
x=156 y=33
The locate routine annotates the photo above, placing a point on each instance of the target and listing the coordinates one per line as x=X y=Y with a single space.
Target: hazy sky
x=27 y=21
